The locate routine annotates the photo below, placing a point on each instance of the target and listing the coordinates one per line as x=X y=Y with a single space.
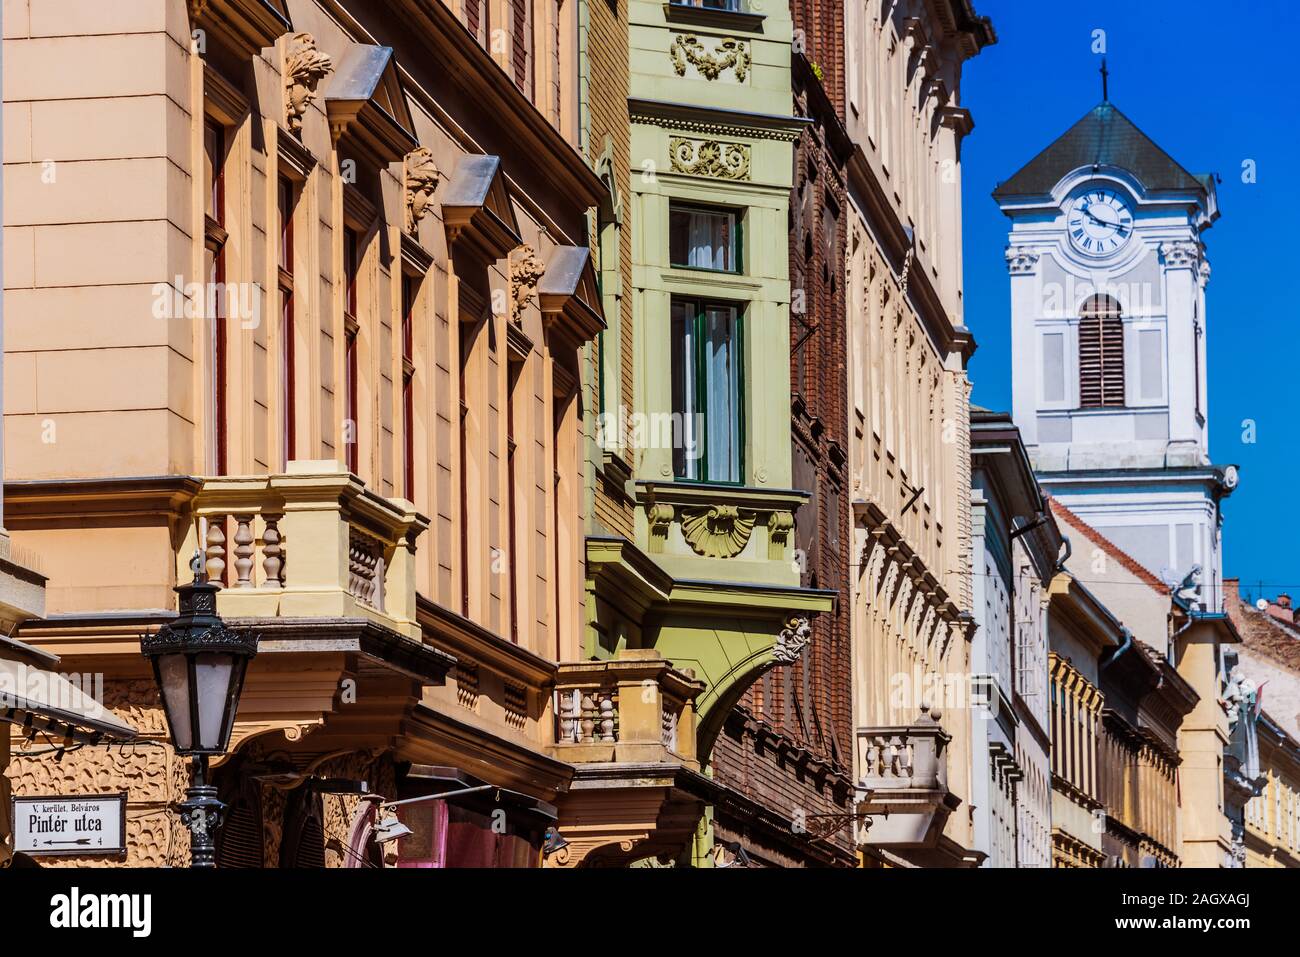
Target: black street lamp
x=199 y=664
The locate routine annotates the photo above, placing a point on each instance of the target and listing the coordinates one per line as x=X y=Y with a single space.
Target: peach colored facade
x=304 y=286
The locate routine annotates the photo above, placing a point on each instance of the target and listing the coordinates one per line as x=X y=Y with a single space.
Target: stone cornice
x=465 y=638
x=744 y=21
x=38 y=503
x=716 y=121
x=431 y=736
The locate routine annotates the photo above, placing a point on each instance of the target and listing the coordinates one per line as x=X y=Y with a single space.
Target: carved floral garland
x=709 y=158
x=730 y=54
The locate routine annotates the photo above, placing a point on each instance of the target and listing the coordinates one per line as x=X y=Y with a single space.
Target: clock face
x=1099 y=221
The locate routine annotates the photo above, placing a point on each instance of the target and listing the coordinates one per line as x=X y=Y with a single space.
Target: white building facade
x=1108 y=318
x=1016 y=547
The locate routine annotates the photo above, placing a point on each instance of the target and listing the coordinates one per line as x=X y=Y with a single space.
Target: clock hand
x=1096 y=219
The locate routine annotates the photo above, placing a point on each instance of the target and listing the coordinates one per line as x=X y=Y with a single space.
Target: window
x=732 y=5
x=214 y=183
x=702 y=238
x=351 y=266
x=408 y=388
x=1101 y=354
x=706 y=375
x=287 y=405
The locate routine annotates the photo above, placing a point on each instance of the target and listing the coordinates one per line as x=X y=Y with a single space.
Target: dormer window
x=1101 y=354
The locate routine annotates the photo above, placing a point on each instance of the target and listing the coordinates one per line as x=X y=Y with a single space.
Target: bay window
x=706 y=390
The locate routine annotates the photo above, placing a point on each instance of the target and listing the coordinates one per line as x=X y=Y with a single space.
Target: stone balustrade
x=633 y=708
x=312 y=542
x=903 y=796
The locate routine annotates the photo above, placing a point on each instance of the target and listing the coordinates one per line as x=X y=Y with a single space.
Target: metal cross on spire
x=1105 y=75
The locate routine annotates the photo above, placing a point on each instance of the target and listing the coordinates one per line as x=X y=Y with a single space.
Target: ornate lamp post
x=199 y=664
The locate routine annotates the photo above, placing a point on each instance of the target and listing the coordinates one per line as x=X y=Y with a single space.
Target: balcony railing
x=313 y=542
x=903 y=782
x=633 y=708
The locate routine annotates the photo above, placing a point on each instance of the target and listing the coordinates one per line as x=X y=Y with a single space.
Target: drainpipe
x=1069 y=550
x=1128 y=643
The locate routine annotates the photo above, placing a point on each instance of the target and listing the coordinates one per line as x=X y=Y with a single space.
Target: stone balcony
x=635 y=708
x=627 y=726
x=903 y=793
x=313 y=542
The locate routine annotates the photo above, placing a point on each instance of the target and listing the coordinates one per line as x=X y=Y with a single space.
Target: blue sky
x=1196 y=77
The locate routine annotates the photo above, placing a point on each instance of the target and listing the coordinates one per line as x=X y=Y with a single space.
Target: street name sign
x=79 y=825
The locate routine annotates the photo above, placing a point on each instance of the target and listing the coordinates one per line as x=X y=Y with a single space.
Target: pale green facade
x=711 y=579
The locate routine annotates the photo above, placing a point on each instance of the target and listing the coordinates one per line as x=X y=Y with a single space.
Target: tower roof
x=1103 y=137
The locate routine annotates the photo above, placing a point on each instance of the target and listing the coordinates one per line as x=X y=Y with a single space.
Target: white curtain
x=723 y=409
x=709 y=240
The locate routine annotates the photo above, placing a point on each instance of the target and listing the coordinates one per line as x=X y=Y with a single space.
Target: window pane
x=702 y=238
x=686 y=452
x=722 y=416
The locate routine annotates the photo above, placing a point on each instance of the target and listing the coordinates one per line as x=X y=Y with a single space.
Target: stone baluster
x=363 y=569
x=272 y=552
x=669 y=728
x=214 y=548
x=587 y=721
x=607 y=712
x=244 y=551
x=570 y=713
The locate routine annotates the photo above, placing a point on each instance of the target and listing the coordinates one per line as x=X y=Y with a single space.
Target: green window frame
x=708 y=390
x=679 y=227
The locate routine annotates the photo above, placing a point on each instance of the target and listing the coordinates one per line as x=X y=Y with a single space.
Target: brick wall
x=607 y=50
x=787 y=752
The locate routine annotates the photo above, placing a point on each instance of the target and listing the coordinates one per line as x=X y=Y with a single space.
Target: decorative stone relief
x=660 y=517
x=793 y=639
x=148 y=770
x=1021 y=260
x=717 y=531
x=729 y=54
x=304 y=68
x=712 y=158
x=1185 y=255
x=421 y=177
x=779 y=526
x=526 y=270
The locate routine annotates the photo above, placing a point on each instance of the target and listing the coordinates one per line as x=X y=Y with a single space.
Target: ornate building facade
x=312 y=288
x=908 y=422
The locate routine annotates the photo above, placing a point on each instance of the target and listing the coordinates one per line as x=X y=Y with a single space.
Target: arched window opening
x=1101 y=354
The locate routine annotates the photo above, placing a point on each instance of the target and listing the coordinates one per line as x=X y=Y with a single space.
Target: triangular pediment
x=568 y=291
x=364 y=98
x=477 y=209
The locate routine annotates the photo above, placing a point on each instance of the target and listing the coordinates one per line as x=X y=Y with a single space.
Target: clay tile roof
x=1155 y=657
x=1261 y=632
x=1109 y=547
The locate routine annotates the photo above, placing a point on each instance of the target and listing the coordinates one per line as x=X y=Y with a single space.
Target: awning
x=42 y=700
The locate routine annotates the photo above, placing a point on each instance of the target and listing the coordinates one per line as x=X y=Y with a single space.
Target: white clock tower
x=1108 y=277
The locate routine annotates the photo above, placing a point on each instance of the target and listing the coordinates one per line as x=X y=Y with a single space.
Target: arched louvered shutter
x=1101 y=354
x=239 y=840
x=304 y=835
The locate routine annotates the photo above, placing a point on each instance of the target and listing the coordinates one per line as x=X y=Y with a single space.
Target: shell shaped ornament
x=717 y=531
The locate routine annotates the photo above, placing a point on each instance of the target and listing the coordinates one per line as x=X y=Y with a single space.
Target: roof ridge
x=1097 y=538
x=1156 y=146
